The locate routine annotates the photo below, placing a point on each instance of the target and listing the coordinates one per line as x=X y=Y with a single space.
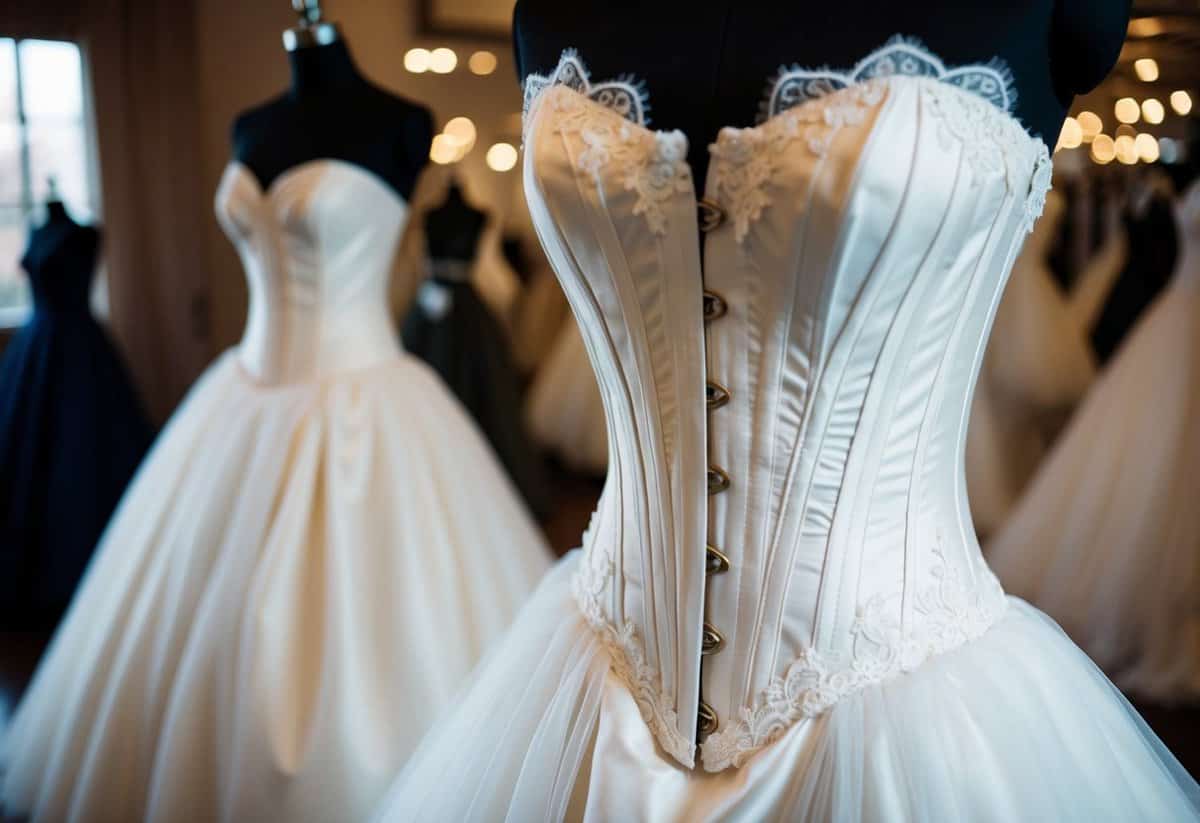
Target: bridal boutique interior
x=260 y=464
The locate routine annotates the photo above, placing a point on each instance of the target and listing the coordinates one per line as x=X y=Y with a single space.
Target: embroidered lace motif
x=746 y=161
x=812 y=104
x=900 y=56
x=628 y=655
x=625 y=95
x=653 y=164
x=947 y=614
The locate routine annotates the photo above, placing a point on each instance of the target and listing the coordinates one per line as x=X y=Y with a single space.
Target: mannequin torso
x=452 y=230
x=61 y=259
x=720 y=55
x=333 y=112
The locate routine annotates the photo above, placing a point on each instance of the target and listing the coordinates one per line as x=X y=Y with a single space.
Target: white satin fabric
x=868 y=665
x=309 y=563
x=1038 y=366
x=1107 y=537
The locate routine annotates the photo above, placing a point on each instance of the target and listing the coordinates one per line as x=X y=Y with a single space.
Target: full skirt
x=72 y=433
x=1106 y=539
x=295 y=585
x=1015 y=725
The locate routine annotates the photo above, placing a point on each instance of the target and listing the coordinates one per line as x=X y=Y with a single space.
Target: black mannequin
x=61 y=258
x=453 y=229
x=333 y=112
x=453 y=330
x=510 y=247
x=706 y=65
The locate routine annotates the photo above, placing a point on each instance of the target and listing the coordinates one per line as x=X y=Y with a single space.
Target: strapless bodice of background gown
x=785 y=518
x=317 y=246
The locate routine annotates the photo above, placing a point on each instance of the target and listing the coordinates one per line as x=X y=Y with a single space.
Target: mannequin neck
x=56 y=212
x=318 y=69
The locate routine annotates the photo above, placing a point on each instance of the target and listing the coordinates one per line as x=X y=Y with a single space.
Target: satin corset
x=785 y=518
x=317 y=247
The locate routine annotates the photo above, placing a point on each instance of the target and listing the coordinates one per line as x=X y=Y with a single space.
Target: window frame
x=13 y=316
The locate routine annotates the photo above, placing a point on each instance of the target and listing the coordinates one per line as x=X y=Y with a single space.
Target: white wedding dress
x=1107 y=537
x=1038 y=366
x=840 y=649
x=306 y=568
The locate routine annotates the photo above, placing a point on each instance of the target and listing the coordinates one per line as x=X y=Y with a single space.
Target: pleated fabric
x=993 y=731
x=1107 y=537
x=296 y=584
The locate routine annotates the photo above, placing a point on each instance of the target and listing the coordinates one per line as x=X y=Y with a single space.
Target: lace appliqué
x=946 y=615
x=994 y=142
x=747 y=161
x=900 y=56
x=626 y=96
x=1039 y=187
x=652 y=164
x=628 y=656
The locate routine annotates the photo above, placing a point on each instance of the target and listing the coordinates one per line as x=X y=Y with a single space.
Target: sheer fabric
x=304 y=570
x=1107 y=537
x=798 y=404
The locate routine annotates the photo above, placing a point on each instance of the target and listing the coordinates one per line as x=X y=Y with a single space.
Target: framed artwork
x=486 y=19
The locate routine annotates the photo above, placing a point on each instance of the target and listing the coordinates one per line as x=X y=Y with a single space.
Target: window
x=43 y=134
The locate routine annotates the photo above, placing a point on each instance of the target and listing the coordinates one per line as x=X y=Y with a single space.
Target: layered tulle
x=1107 y=537
x=1017 y=725
x=291 y=591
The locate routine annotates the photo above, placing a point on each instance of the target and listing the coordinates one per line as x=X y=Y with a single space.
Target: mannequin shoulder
x=410 y=115
x=1086 y=38
x=257 y=118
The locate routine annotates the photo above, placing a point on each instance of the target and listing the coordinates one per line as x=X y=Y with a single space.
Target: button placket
x=711 y=216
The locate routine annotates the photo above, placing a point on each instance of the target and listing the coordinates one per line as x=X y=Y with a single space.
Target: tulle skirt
x=295 y=585
x=564 y=410
x=1016 y=725
x=1106 y=538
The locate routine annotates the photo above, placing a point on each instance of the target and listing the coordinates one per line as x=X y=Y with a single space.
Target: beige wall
x=242 y=62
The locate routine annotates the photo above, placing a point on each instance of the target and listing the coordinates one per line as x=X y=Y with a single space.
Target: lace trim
x=747 y=160
x=948 y=614
x=628 y=657
x=1039 y=187
x=653 y=164
x=899 y=56
x=625 y=95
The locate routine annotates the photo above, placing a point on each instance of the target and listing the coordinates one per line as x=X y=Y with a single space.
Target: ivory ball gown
x=780 y=611
x=1107 y=537
x=306 y=568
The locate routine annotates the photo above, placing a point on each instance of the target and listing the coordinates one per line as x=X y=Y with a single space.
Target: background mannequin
x=72 y=431
x=333 y=112
x=451 y=328
x=722 y=54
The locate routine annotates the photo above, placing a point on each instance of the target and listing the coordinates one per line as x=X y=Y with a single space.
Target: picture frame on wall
x=476 y=19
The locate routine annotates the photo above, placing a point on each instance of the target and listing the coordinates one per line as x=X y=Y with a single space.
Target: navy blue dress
x=72 y=431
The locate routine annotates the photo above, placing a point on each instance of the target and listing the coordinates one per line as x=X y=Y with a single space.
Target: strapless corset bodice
x=785 y=518
x=317 y=246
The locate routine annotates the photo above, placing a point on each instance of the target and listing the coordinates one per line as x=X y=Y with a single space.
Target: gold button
x=711 y=640
x=714 y=561
x=706 y=721
x=714 y=305
x=715 y=395
x=718 y=480
x=709 y=214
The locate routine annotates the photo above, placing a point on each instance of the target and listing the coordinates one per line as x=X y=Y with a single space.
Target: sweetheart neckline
x=267 y=192
x=725 y=133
